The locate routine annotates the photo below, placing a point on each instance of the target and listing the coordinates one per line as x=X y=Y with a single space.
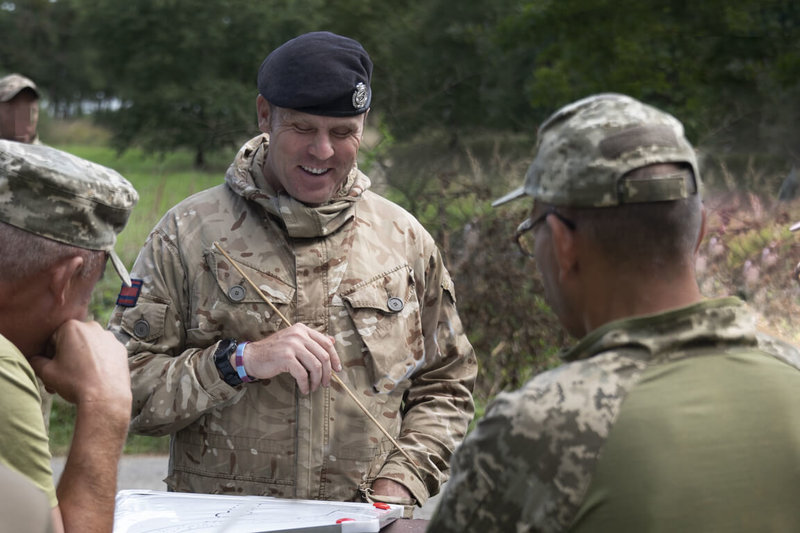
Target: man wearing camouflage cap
x=672 y=413
x=59 y=218
x=19 y=109
x=244 y=397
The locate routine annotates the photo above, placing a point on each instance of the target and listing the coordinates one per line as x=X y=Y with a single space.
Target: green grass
x=62 y=421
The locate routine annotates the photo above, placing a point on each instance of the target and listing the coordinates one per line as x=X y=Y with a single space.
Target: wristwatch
x=222 y=358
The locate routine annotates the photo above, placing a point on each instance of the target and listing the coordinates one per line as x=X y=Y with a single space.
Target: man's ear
x=63 y=276
x=262 y=108
x=565 y=247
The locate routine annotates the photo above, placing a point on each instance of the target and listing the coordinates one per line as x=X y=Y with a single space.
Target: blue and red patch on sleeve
x=128 y=296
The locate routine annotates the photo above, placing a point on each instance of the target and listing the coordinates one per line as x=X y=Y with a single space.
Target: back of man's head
x=53 y=195
x=626 y=171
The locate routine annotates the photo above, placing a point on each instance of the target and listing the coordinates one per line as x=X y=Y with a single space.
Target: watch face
x=226 y=346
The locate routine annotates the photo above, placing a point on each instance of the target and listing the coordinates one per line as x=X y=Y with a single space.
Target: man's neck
x=628 y=296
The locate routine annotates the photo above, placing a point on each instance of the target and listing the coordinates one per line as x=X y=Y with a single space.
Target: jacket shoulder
x=375 y=207
x=555 y=427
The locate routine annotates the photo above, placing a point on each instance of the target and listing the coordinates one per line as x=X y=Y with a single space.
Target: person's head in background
x=617 y=213
x=19 y=108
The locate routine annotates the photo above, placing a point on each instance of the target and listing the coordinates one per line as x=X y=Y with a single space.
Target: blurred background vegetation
x=164 y=92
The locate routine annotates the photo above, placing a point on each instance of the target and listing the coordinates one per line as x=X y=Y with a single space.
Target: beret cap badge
x=360 y=96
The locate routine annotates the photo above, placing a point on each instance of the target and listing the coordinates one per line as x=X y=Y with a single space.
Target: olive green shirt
x=680 y=421
x=24 y=445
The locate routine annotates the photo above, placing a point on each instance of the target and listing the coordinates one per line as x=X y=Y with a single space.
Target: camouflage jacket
x=334 y=268
x=530 y=462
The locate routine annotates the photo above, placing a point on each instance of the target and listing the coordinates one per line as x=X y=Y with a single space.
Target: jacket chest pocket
x=237 y=307
x=386 y=314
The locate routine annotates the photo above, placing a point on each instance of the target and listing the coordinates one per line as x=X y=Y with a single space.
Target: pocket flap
x=385 y=313
x=238 y=290
x=389 y=292
x=145 y=322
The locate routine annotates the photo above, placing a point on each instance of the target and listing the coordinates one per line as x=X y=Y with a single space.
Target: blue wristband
x=240 y=362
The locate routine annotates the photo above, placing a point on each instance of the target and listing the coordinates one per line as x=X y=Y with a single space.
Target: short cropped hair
x=647 y=237
x=25 y=254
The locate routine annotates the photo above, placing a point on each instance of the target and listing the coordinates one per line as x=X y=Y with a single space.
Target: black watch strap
x=222 y=358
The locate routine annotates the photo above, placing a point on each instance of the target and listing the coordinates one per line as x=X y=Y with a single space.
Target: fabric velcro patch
x=128 y=296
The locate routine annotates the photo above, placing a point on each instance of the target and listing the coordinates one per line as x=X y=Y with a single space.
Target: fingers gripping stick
x=334 y=376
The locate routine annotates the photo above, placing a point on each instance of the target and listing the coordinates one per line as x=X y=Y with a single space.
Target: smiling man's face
x=310 y=156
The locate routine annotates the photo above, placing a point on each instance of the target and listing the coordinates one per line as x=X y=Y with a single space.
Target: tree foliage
x=721 y=67
x=184 y=71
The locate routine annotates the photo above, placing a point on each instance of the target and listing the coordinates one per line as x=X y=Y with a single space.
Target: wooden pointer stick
x=334 y=376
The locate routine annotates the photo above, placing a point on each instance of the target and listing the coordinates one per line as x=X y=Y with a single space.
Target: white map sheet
x=150 y=511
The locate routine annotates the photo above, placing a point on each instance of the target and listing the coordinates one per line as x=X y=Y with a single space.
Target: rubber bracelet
x=240 y=362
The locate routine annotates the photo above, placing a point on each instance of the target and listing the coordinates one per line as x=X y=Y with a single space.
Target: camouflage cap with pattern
x=11 y=85
x=585 y=149
x=64 y=198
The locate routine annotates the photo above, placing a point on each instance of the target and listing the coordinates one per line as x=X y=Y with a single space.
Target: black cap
x=320 y=73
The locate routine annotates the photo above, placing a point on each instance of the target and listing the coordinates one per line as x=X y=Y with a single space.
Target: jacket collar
x=245 y=177
x=709 y=323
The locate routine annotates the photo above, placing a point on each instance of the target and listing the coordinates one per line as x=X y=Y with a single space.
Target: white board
x=150 y=511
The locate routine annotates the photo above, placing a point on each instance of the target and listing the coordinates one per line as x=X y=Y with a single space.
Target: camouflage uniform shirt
x=680 y=421
x=360 y=269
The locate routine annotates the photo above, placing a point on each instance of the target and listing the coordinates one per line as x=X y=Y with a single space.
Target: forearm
x=170 y=393
x=438 y=406
x=438 y=410
x=88 y=484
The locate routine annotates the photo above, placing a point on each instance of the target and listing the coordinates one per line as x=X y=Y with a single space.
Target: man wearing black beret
x=249 y=401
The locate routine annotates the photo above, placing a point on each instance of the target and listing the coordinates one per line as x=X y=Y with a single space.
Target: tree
x=43 y=40
x=185 y=71
x=721 y=67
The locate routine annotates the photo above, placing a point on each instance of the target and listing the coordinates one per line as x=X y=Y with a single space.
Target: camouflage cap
x=585 y=149
x=64 y=198
x=11 y=85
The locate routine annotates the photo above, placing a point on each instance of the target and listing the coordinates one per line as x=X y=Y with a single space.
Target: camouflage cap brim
x=513 y=195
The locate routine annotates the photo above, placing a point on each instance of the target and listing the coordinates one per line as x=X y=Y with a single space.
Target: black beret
x=319 y=73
